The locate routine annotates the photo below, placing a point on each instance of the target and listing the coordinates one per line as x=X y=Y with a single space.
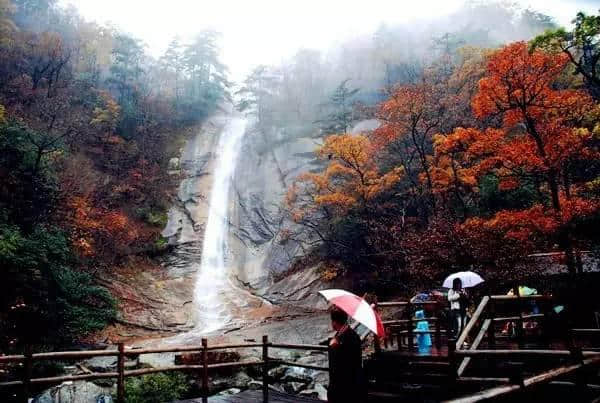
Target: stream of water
x=214 y=292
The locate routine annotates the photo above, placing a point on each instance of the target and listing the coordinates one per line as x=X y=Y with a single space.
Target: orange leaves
x=92 y=227
x=538 y=221
x=517 y=79
x=350 y=180
x=411 y=110
x=106 y=116
x=537 y=135
x=352 y=151
x=519 y=85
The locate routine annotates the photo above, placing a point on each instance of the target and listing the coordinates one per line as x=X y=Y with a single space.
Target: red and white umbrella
x=356 y=307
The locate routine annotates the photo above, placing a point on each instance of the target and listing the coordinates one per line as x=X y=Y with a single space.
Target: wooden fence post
x=453 y=367
x=411 y=341
x=581 y=375
x=204 y=370
x=438 y=329
x=520 y=320
x=27 y=368
x=399 y=337
x=265 y=371
x=377 y=339
x=121 y=373
x=515 y=374
x=492 y=327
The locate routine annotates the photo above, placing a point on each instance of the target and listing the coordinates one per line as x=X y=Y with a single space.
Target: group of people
x=347 y=382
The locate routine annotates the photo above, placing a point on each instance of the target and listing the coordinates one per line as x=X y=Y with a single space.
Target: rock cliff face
x=267 y=168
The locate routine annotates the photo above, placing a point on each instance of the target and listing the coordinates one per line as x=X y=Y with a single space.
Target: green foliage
x=340 y=104
x=36 y=268
x=156 y=388
x=494 y=199
x=161 y=243
x=82 y=306
x=582 y=45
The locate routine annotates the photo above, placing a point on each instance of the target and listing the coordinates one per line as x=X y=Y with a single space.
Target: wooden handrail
x=590 y=331
x=521 y=353
x=515 y=318
x=121 y=352
x=187 y=349
x=472 y=322
x=404 y=303
x=402 y=321
x=465 y=362
x=299 y=346
x=515 y=297
x=55 y=355
x=545 y=377
x=418 y=331
x=61 y=355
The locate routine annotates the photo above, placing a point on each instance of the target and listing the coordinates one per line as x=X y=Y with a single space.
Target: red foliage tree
x=538 y=137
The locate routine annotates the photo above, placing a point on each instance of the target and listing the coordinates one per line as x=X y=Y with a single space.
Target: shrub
x=156 y=388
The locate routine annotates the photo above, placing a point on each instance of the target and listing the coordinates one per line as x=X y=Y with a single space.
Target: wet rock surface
x=75 y=392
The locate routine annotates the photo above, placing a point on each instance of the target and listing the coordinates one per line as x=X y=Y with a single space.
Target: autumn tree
x=339 y=206
x=537 y=141
x=410 y=118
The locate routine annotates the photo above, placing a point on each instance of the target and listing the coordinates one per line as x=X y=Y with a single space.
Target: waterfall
x=214 y=293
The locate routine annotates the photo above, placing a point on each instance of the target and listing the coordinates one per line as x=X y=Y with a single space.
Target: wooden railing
x=404 y=328
x=485 y=317
x=580 y=360
x=27 y=359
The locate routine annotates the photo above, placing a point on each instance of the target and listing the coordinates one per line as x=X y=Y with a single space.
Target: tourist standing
x=458 y=307
x=346 y=380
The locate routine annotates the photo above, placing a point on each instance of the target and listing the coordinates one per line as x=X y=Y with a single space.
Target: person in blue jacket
x=423 y=338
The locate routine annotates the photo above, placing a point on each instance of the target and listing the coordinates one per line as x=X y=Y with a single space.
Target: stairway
x=400 y=376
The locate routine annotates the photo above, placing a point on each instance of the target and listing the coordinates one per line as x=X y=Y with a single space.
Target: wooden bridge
x=510 y=355
x=493 y=366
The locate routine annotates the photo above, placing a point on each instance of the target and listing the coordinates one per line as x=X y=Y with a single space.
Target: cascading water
x=214 y=294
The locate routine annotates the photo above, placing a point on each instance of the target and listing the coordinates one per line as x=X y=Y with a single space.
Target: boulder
x=173 y=164
x=277 y=372
x=108 y=364
x=74 y=392
x=255 y=385
x=239 y=380
x=297 y=375
x=294 y=387
x=176 y=318
x=229 y=392
x=318 y=392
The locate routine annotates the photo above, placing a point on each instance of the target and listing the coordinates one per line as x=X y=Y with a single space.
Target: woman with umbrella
x=457 y=309
x=458 y=297
x=346 y=379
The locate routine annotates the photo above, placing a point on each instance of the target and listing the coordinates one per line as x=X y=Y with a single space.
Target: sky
x=269 y=31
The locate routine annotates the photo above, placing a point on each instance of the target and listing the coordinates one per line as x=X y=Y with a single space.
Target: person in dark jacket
x=346 y=380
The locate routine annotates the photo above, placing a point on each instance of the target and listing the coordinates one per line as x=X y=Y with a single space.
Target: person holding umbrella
x=457 y=297
x=346 y=380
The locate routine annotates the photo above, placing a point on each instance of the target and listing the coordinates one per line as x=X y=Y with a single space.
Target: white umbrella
x=468 y=278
